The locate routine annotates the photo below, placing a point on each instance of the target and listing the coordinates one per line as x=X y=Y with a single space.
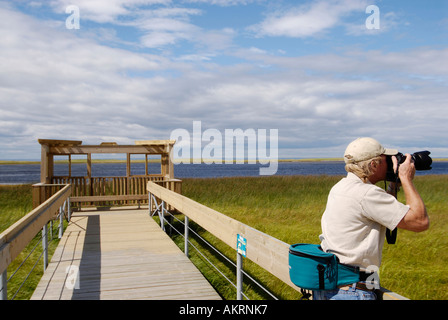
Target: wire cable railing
x=161 y=211
x=199 y=251
x=40 y=239
x=46 y=235
x=19 y=237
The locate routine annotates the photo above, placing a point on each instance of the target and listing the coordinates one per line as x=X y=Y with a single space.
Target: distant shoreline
x=13 y=162
x=18 y=162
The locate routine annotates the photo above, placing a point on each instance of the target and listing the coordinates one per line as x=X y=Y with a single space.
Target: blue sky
x=139 y=69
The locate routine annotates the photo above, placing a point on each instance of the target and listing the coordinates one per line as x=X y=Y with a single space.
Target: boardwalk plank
x=121 y=254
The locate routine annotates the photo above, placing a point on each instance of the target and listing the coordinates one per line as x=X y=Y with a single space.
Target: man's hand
x=394 y=187
x=406 y=171
x=417 y=218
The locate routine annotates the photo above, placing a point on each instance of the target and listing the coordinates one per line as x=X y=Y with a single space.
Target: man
x=358 y=213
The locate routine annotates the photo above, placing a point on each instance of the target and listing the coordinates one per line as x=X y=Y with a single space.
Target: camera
x=422 y=161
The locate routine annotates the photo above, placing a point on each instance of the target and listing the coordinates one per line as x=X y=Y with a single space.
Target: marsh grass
x=16 y=202
x=290 y=207
x=268 y=204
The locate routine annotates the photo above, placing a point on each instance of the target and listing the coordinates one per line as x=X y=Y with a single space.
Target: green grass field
x=289 y=208
x=15 y=202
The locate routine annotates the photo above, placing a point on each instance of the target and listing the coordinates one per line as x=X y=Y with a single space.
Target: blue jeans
x=340 y=294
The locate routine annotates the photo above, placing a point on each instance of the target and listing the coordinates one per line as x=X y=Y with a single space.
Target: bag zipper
x=308 y=255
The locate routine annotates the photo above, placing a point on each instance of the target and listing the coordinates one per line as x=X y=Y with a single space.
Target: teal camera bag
x=313 y=269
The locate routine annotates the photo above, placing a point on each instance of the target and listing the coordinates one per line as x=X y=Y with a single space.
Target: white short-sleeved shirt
x=355 y=220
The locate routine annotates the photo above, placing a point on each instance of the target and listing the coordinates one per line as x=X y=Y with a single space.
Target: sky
x=322 y=73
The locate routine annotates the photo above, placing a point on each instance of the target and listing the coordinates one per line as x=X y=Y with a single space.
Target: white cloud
x=224 y=3
x=308 y=19
x=170 y=26
x=103 y=11
x=387 y=22
x=164 y=26
x=54 y=84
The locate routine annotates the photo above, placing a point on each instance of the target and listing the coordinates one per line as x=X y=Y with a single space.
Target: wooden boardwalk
x=120 y=254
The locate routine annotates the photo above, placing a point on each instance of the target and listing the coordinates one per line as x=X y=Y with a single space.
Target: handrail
x=116 y=190
x=268 y=252
x=188 y=243
x=265 y=250
x=14 y=239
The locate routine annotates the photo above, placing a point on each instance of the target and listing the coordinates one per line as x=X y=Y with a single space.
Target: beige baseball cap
x=364 y=149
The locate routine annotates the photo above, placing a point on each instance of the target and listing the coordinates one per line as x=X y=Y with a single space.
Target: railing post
x=51 y=230
x=45 y=245
x=162 y=216
x=3 y=285
x=150 y=203
x=61 y=222
x=69 y=213
x=186 y=235
x=239 y=276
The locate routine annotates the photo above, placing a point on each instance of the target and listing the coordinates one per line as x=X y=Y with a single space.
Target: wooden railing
x=268 y=252
x=17 y=237
x=265 y=250
x=104 y=191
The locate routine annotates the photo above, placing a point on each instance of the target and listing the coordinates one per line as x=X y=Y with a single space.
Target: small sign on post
x=241 y=252
x=241 y=245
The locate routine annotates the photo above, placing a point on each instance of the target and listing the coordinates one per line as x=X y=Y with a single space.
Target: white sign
x=241 y=245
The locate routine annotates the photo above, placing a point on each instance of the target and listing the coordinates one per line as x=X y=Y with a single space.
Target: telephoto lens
x=422 y=161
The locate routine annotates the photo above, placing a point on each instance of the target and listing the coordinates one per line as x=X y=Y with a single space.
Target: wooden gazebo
x=111 y=190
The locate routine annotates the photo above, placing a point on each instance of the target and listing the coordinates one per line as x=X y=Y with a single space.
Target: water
x=30 y=173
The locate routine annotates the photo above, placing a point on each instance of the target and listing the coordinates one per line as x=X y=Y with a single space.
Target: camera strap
x=391 y=236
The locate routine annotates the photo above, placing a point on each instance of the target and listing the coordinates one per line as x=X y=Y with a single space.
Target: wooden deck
x=120 y=254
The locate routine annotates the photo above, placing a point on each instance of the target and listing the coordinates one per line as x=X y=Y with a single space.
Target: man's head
x=365 y=157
